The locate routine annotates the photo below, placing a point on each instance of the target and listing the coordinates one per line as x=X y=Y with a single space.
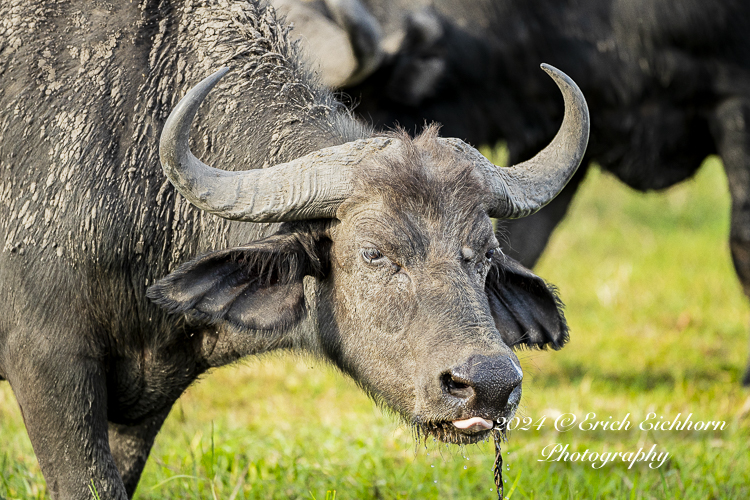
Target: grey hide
x=117 y=292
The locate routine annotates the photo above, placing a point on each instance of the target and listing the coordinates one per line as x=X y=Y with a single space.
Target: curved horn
x=524 y=188
x=309 y=187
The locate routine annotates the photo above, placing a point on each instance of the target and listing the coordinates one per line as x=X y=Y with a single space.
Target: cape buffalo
x=374 y=252
x=668 y=83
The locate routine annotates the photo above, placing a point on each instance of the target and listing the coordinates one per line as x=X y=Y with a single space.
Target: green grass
x=659 y=324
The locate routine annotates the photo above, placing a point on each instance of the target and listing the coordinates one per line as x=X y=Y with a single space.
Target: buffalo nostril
x=456 y=387
x=484 y=383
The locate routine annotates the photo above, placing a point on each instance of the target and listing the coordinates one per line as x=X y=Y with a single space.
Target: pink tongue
x=477 y=422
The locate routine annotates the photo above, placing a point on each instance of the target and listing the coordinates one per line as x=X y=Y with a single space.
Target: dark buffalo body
x=667 y=82
x=117 y=292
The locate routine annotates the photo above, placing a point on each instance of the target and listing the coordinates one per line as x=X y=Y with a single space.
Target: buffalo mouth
x=446 y=432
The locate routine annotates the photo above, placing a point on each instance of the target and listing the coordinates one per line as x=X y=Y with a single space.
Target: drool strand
x=498 y=471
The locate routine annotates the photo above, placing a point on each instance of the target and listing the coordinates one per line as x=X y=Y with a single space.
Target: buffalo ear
x=258 y=286
x=526 y=310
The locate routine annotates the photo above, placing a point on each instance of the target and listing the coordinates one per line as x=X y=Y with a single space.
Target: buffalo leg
x=525 y=239
x=64 y=407
x=731 y=129
x=131 y=445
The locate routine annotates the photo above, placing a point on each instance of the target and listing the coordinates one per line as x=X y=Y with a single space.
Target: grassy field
x=659 y=324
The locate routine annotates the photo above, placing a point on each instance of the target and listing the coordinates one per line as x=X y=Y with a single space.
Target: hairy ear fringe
x=525 y=306
x=256 y=286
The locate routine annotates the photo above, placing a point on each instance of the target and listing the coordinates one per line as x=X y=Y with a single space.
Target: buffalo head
x=414 y=298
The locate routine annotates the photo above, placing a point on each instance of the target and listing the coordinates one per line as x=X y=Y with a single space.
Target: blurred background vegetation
x=658 y=324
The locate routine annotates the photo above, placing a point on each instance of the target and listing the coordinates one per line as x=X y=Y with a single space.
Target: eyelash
x=371 y=255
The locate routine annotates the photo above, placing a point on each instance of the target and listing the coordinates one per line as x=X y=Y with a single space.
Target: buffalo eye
x=372 y=255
